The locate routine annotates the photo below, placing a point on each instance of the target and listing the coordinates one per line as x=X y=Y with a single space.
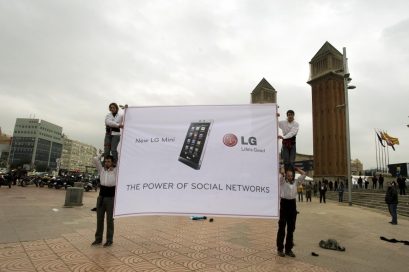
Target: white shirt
x=107 y=177
x=288 y=190
x=289 y=129
x=114 y=121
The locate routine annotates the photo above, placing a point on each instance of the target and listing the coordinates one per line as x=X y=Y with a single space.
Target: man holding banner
x=113 y=125
x=288 y=211
x=289 y=128
x=105 y=201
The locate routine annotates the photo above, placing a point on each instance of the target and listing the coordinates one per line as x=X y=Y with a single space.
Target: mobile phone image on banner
x=194 y=146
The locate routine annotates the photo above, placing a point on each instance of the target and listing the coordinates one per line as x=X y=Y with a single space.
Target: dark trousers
x=393 y=211
x=105 y=205
x=308 y=195
x=402 y=191
x=110 y=145
x=322 y=197
x=300 y=197
x=341 y=196
x=288 y=156
x=288 y=216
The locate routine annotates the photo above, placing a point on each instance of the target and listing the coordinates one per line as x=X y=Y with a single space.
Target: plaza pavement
x=38 y=234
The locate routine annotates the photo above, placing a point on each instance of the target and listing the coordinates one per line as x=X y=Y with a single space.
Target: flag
x=379 y=138
x=391 y=141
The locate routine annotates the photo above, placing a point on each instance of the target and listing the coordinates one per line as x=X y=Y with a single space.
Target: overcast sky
x=65 y=61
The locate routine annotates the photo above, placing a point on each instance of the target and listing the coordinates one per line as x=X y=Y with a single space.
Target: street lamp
x=347 y=80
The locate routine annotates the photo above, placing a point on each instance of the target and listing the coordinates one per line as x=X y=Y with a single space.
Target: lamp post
x=347 y=80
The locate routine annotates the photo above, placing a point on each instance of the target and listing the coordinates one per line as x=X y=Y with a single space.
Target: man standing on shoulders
x=289 y=128
x=105 y=201
x=113 y=124
x=288 y=211
x=391 y=198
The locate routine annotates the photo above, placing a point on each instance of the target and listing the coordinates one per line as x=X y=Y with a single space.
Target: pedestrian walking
x=374 y=182
x=308 y=191
x=391 y=199
x=323 y=191
x=341 y=192
x=402 y=185
x=380 y=181
x=315 y=188
x=300 y=192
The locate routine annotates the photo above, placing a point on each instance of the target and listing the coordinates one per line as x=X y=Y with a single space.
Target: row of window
x=41 y=128
x=22 y=150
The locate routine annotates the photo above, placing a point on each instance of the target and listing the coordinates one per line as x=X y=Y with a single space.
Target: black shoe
x=95 y=243
x=280 y=253
x=108 y=243
x=314 y=254
x=94 y=209
x=290 y=253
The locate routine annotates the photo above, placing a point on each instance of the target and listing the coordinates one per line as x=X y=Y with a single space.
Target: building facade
x=36 y=144
x=77 y=156
x=329 y=133
x=5 y=144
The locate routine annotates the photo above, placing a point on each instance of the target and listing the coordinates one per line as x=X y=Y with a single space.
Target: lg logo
x=231 y=140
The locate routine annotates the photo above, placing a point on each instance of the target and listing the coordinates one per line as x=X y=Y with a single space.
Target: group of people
x=377 y=182
x=107 y=174
x=289 y=188
x=322 y=187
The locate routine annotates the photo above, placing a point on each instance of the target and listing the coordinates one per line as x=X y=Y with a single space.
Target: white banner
x=203 y=160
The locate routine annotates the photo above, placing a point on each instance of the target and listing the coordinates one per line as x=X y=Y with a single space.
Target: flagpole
x=381 y=157
x=376 y=151
x=384 y=158
x=387 y=168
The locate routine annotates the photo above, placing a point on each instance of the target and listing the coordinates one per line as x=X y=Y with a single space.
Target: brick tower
x=327 y=86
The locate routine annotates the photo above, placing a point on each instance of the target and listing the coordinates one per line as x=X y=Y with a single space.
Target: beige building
x=357 y=167
x=5 y=144
x=77 y=156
